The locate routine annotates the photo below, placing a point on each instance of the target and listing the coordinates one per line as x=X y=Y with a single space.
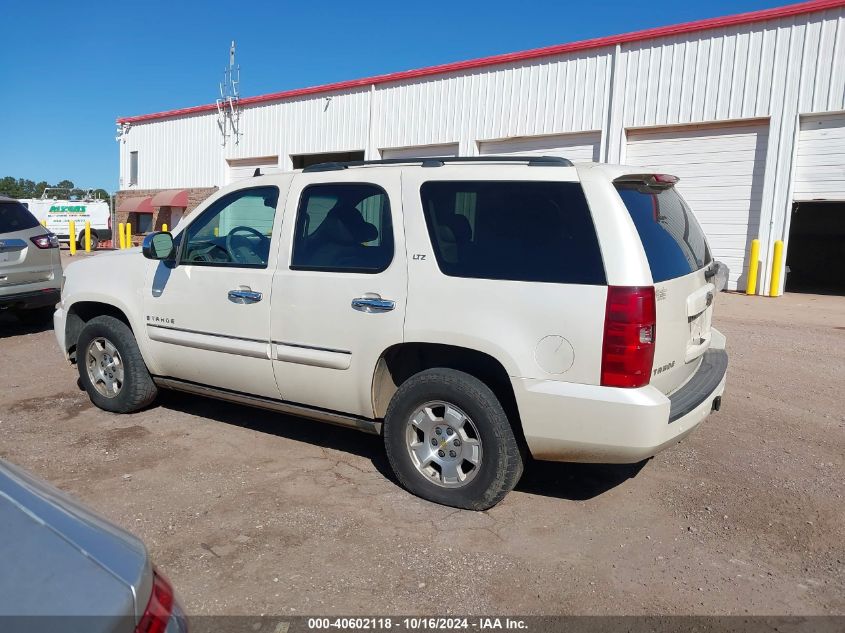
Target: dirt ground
x=250 y=512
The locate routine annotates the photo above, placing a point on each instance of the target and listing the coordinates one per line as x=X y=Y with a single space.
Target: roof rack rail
x=531 y=161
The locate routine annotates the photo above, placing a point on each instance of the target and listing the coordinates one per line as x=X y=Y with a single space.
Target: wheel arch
x=80 y=313
x=403 y=360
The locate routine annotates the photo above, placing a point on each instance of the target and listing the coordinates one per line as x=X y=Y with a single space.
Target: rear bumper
x=30 y=300
x=587 y=423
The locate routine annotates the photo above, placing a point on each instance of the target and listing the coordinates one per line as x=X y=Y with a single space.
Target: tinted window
x=143 y=222
x=234 y=231
x=525 y=231
x=15 y=217
x=343 y=228
x=673 y=241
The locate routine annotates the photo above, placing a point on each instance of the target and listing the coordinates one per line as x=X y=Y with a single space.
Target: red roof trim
x=612 y=40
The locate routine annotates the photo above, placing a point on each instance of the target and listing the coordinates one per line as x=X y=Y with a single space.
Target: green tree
x=9 y=187
x=25 y=188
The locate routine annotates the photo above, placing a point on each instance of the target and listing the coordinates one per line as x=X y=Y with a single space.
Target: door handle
x=244 y=296
x=373 y=304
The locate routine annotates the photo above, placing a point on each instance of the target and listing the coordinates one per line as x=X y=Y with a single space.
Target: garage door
x=579 y=148
x=421 y=151
x=245 y=167
x=721 y=170
x=820 y=164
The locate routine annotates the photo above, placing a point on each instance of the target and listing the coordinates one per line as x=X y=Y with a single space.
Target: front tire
x=449 y=440
x=111 y=367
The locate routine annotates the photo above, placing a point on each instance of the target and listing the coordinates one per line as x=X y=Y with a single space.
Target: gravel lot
x=250 y=512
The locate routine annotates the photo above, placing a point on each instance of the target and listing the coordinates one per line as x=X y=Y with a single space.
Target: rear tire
x=111 y=367
x=449 y=440
x=95 y=241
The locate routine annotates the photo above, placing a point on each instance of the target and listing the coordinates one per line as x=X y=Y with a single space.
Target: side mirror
x=158 y=246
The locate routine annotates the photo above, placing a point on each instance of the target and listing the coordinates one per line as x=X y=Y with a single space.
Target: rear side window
x=673 y=240
x=15 y=217
x=521 y=231
x=343 y=228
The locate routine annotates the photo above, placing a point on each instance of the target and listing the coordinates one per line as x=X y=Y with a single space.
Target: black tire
x=95 y=241
x=501 y=463
x=36 y=316
x=138 y=389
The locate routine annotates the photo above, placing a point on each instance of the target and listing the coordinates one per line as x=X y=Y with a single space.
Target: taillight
x=45 y=241
x=629 y=332
x=159 y=608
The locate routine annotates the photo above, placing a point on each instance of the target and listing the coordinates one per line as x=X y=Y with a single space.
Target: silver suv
x=30 y=265
x=471 y=311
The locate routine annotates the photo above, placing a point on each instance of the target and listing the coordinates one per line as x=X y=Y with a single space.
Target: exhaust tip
x=717 y=403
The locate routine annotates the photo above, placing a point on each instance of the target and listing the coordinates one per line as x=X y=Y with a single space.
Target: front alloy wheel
x=105 y=367
x=111 y=367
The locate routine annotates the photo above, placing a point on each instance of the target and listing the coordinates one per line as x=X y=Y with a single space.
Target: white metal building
x=749 y=110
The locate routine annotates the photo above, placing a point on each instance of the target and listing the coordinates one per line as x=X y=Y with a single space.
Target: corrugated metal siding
x=556 y=95
x=820 y=162
x=312 y=125
x=174 y=153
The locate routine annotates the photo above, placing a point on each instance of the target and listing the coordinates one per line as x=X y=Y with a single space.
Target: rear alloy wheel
x=444 y=444
x=111 y=367
x=449 y=440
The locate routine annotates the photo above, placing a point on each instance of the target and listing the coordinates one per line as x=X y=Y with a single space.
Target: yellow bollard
x=87 y=236
x=753 y=266
x=777 y=268
x=44 y=223
x=216 y=232
x=71 y=230
x=121 y=234
x=128 y=235
x=164 y=228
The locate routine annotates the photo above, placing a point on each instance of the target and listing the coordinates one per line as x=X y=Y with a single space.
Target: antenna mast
x=228 y=109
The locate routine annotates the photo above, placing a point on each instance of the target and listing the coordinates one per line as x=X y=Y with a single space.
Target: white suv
x=471 y=311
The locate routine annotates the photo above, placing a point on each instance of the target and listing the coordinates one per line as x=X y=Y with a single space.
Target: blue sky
x=71 y=68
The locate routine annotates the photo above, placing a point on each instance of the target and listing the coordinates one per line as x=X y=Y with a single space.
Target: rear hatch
x=680 y=260
x=21 y=261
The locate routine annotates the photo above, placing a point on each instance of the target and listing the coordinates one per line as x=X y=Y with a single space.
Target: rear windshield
x=523 y=231
x=672 y=238
x=15 y=217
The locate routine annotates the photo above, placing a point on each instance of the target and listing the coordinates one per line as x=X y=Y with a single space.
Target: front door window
x=234 y=231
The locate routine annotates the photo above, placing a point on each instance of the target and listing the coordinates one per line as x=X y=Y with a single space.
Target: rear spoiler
x=652 y=181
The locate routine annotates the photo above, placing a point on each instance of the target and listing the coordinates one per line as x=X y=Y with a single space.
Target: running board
x=280 y=406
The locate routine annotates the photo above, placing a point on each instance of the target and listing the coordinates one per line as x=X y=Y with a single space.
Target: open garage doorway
x=306 y=160
x=814 y=258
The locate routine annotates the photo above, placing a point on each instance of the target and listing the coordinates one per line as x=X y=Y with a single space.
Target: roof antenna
x=228 y=109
